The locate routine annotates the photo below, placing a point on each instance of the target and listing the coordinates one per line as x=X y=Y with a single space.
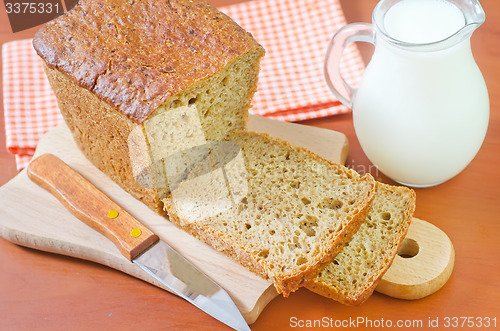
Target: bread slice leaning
x=290 y=212
x=352 y=277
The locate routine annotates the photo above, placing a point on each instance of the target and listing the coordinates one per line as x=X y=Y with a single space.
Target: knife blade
x=134 y=240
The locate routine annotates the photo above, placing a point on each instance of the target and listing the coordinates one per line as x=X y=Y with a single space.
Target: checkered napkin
x=295 y=34
x=30 y=106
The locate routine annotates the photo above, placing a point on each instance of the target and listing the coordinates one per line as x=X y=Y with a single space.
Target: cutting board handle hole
x=409 y=248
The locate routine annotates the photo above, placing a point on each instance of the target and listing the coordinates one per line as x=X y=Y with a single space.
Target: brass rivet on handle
x=113 y=213
x=135 y=232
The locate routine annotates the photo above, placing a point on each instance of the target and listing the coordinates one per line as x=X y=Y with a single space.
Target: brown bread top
x=135 y=54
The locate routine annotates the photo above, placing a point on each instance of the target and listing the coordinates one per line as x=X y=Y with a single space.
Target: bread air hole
x=296 y=243
x=241 y=207
x=309 y=225
x=301 y=260
x=385 y=216
x=331 y=203
x=175 y=103
x=207 y=112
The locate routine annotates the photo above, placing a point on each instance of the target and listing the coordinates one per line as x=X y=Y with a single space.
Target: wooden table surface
x=46 y=291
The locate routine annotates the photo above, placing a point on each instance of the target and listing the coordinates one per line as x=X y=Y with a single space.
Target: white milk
x=423 y=21
x=421 y=116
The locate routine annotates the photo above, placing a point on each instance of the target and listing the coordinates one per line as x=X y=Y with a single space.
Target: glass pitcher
x=421 y=110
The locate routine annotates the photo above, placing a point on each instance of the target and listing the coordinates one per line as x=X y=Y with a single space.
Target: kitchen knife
x=134 y=240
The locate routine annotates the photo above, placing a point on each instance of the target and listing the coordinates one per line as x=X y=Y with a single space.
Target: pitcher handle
x=343 y=37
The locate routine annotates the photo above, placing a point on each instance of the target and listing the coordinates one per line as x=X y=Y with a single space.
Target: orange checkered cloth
x=295 y=34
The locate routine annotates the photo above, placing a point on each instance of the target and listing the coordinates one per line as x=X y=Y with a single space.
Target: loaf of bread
x=352 y=277
x=286 y=212
x=116 y=65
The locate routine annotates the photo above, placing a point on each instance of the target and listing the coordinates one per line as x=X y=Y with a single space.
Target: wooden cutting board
x=30 y=216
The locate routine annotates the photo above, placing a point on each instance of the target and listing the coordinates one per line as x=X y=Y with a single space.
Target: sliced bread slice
x=292 y=216
x=352 y=277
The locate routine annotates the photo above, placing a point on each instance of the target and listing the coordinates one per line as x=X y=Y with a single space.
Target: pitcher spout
x=473 y=12
x=474 y=16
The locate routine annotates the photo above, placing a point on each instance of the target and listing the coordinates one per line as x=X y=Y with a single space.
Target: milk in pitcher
x=421 y=116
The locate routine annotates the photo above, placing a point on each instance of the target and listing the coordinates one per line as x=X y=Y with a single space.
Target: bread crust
x=101 y=133
x=356 y=299
x=135 y=55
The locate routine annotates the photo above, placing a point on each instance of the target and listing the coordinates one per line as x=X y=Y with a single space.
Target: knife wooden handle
x=90 y=205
